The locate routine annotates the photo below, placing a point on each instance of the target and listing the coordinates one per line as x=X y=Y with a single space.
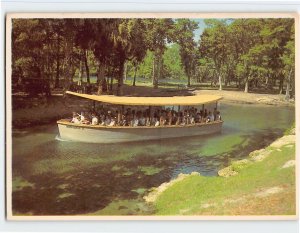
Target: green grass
x=208 y=195
x=290 y=129
x=123 y=207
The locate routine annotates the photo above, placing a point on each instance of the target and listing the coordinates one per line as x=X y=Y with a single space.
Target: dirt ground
x=248 y=98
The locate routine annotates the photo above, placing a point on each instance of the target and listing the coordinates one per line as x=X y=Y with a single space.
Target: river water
x=54 y=177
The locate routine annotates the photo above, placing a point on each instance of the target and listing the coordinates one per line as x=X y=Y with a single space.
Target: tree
x=159 y=32
x=276 y=33
x=245 y=32
x=129 y=45
x=214 y=45
x=184 y=34
x=31 y=58
x=288 y=59
x=173 y=67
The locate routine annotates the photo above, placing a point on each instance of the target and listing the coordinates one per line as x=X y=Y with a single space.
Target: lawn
x=260 y=188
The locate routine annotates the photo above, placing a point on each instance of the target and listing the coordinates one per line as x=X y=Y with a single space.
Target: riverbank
x=248 y=98
x=262 y=184
x=29 y=112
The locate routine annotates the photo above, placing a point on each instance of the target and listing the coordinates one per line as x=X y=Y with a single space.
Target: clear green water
x=52 y=177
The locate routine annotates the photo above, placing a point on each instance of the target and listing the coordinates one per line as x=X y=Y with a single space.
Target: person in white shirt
x=218 y=117
x=82 y=118
x=210 y=117
x=94 y=120
x=156 y=123
x=142 y=121
x=112 y=122
x=74 y=117
x=135 y=122
x=76 y=120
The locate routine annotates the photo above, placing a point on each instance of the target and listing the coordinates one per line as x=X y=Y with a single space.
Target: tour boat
x=112 y=134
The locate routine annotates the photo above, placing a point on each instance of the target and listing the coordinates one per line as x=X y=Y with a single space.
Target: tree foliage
x=51 y=54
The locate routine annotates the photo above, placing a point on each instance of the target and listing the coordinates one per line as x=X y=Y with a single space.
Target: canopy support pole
x=216 y=105
x=94 y=106
x=150 y=118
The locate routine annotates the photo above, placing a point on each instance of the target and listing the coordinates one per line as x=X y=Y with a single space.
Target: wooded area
x=89 y=55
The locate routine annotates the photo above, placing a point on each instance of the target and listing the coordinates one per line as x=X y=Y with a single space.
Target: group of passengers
x=159 y=117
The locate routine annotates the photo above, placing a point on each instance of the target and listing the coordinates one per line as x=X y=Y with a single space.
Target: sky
x=201 y=28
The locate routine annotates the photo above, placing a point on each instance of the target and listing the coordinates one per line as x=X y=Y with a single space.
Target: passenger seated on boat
x=94 y=119
x=107 y=120
x=162 y=120
x=215 y=114
x=135 y=122
x=83 y=120
x=201 y=116
x=112 y=122
x=75 y=118
x=205 y=114
x=198 y=118
x=132 y=116
x=142 y=120
x=148 y=121
x=218 y=116
x=177 y=122
x=169 y=117
x=156 y=123
x=210 y=117
x=123 y=120
x=102 y=119
x=185 y=117
x=192 y=120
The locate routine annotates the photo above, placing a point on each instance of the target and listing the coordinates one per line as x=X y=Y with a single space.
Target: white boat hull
x=103 y=134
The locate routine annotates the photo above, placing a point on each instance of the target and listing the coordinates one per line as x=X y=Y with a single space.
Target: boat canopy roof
x=150 y=101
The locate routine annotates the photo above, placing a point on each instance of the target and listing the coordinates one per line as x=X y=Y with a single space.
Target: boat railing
x=68 y=122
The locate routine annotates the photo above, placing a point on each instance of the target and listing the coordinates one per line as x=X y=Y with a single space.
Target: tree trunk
x=134 y=77
x=154 y=72
x=267 y=80
x=56 y=85
x=120 y=79
x=158 y=71
x=246 y=85
x=288 y=86
x=100 y=78
x=87 y=69
x=69 y=68
x=111 y=83
x=159 y=65
x=125 y=71
x=220 y=82
x=80 y=72
x=189 y=80
x=280 y=85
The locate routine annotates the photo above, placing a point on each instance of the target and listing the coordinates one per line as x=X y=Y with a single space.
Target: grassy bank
x=264 y=184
